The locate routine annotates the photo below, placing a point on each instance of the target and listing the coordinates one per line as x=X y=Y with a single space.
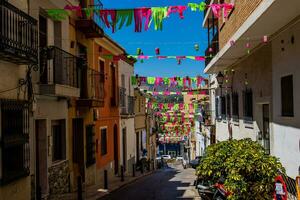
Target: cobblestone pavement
x=170 y=183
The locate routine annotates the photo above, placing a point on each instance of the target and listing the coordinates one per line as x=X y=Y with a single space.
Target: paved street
x=171 y=183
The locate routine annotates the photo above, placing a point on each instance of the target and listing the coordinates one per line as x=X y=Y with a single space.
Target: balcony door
x=78 y=145
x=124 y=147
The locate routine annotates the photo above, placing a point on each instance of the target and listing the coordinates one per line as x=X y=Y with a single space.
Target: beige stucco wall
x=258 y=69
x=9 y=79
x=130 y=142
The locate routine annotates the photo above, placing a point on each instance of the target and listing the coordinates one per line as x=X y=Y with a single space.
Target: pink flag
x=216 y=8
x=199 y=58
x=139 y=14
x=227 y=8
x=179 y=9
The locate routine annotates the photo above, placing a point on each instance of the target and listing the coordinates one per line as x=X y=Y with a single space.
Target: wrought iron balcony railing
x=59 y=67
x=18 y=35
x=212 y=49
x=92 y=92
x=122 y=97
x=92 y=25
x=131 y=105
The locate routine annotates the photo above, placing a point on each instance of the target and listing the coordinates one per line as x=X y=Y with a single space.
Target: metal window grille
x=14 y=140
x=90 y=145
x=248 y=104
x=235 y=105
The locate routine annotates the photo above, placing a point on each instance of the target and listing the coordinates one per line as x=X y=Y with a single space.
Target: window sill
x=287 y=117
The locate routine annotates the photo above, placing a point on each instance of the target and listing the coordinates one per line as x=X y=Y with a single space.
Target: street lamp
x=220 y=79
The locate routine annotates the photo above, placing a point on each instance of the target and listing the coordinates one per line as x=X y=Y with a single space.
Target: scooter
x=207 y=191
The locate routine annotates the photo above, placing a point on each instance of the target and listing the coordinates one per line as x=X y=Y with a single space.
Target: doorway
x=137 y=149
x=78 y=146
x=41 y=158
x=124 y=145
x=266 y=128
x=116 y=149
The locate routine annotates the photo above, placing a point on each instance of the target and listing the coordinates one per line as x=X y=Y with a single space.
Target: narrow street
x=171 y=183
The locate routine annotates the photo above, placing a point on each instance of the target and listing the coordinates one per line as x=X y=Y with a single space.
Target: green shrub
x=248 y=171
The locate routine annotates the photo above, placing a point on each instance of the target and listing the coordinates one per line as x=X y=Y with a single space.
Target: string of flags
x=117 y=18
x=172 y=106
x=185 y=82
x=168 y=93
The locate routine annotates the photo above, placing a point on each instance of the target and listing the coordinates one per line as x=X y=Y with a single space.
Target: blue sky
x=178 y=37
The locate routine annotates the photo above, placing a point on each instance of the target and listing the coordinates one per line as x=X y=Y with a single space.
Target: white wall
x=257 y=67
x=285 y=142
x=127 y=70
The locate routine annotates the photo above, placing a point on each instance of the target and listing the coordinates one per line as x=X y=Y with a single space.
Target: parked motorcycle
x=209 y=191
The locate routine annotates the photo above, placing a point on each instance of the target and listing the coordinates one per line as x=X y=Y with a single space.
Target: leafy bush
x=249 y=173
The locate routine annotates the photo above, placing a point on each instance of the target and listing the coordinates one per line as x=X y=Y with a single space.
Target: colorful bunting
x=112 y=17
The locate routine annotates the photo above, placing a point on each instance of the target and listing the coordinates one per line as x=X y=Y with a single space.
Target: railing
x=18 y=35
x=59 y=67
x=131 y=105
x=212 y=49
x=122 y=97
x=91 y=24
x=97 y=84
x=15 y=140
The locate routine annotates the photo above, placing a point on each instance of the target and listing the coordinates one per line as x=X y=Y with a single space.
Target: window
x=103 y=141
x=14 y=151
x=113 y=99
x=58 y=140
x=248 y=105
x=90 y=145
x=235 y=105
x=287 y=96
x=102 y=78
x=223 y=107
x=228 y=106
x=217 y=107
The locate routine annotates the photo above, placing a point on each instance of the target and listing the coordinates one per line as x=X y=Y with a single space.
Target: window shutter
x=287 y=96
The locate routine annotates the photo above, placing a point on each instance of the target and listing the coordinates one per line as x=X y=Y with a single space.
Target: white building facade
x=127 y=130
x=257 y=57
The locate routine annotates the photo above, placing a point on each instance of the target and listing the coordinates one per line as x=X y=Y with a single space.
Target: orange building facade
x=107 y=124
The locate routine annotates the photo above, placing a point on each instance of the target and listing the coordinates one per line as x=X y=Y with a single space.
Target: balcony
x=123 y=100
x=91 y=89
x=212 y=49
x=127 y=109
x=18 y=35
x=131 y=105
x=91 y=26
x=59 y=72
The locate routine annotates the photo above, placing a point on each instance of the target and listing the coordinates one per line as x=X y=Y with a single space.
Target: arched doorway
x=116 y=149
